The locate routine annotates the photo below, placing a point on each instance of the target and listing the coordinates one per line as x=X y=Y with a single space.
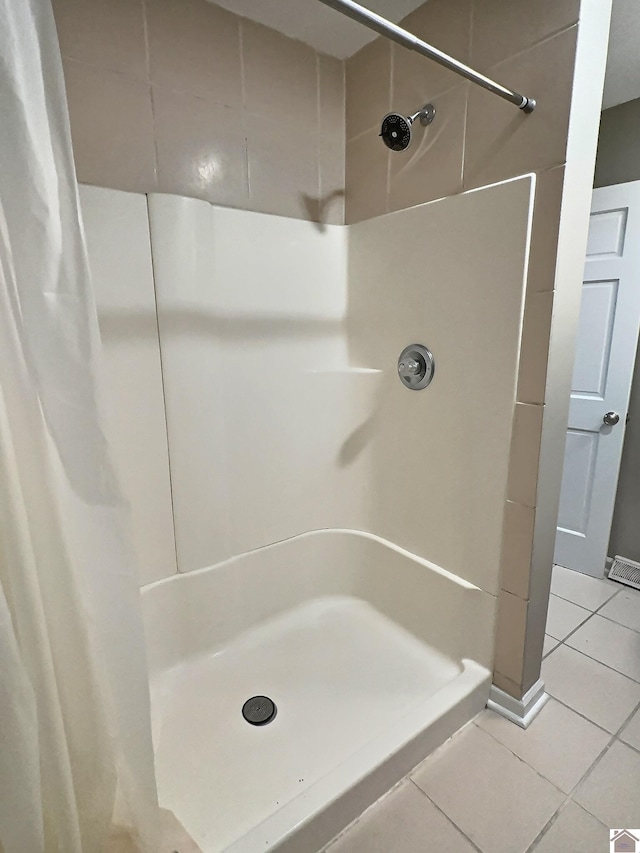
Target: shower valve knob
x=409 y=367
x=415 y=367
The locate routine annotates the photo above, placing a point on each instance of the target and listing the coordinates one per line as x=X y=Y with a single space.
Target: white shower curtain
x=76 y=762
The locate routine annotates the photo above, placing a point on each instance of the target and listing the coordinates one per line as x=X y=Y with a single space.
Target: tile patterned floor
x=558 y=785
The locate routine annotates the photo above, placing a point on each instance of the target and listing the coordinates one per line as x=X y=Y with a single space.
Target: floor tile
x=611 y=791
x=574 y=829
x=549 y=645
x=631 y=733
x=624 y=608
x=589 y=687
x=563 y=616
x=580 y=589
x=404 y=821
x=559 y=744
x=610 y=643
x=495 y=799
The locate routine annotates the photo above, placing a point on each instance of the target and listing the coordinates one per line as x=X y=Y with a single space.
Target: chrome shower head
x=396 y=128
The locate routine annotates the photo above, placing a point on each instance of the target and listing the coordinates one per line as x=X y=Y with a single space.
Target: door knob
x=611 y=418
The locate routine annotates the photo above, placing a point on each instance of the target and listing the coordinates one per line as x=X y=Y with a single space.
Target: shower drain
x=259 y=710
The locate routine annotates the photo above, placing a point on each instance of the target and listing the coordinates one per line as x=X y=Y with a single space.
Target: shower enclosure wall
x=337 y=536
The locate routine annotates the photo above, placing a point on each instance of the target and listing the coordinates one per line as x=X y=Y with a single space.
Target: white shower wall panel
x=117 y=232
x=261 y=399
x=279 y=342
x=451 y=275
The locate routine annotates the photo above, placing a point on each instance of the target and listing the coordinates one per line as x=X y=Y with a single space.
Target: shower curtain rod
x=391 y=31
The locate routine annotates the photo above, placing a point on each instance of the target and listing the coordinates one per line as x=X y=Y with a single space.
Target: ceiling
x=622 y=81
x=330 y=32
x=316 y=24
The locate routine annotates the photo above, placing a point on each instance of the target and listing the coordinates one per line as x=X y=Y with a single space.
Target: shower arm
x=391 y=31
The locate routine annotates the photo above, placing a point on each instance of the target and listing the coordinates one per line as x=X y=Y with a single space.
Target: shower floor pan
x=372 y=657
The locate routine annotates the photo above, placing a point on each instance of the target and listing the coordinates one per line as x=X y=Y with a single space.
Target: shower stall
x=316 y=442
x=337 y=533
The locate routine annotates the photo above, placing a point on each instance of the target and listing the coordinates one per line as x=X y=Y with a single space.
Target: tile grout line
x=466 y=98
x=582 y=624
x=624 y=725
x=552 y=820
x=584 y=621
x=444 y=814
x=243 y=83
x=630 y=745
x=464 y=136
x=521 y=759
x=609 y=600
x=637 y=681
x=613 y=737
x=545 y=829
x=537 y=772
x=359 y=817
x=584 y=717
x=389 y=108
x=84 y=63
x=570 y=600
x=319 y=133
x=544 y=40
x=376 y=127
x=615 y=622
x=152 y=104
x=243 y=98
x=145 y=32
x=595 y=660
x=579 y=625
x=567 y=797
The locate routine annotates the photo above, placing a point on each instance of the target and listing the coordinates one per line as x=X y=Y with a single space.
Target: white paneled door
x=605 y=353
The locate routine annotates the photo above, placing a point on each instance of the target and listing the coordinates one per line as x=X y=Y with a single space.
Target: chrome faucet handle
x=415 y=367
x=409 y=367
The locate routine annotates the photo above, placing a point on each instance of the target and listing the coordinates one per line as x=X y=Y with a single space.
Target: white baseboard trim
x=520 y=711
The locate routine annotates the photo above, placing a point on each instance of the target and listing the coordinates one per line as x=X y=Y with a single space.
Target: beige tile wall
x=181 y=96
x=476 y=139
